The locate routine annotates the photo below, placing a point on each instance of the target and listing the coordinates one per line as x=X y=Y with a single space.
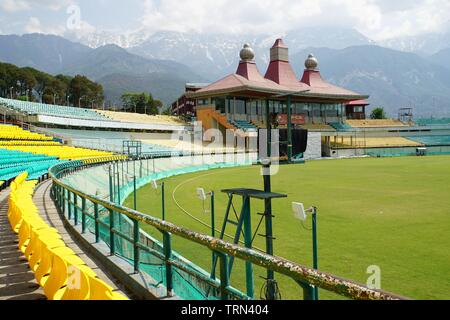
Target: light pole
x=54 y=98
x=68 y=100
x=300 y=214
x=202 y=195
x=79 y=101
x=19 y=85
x=136 y=229
x=10 y=92
x=163 y=198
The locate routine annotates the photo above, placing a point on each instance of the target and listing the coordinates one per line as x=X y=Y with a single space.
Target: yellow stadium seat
x=38 y=253
x=53 y=263
x=55 y=285
x=77 y=285
x=101 y=291
x=37 y=237
x=45 y=266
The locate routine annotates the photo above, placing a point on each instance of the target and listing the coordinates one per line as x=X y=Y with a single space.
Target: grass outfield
x=389 y=212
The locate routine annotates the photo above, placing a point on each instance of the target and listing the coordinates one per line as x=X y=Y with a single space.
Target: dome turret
x=311 y=62
x=247 y=54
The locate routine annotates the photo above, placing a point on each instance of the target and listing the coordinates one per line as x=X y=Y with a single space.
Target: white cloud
x=14 y=5
x=34 y=25
x=378 y=19
x=26 y=5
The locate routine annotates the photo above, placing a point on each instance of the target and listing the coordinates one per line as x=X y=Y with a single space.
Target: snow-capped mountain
x=427 y=44
x=102 y=38
x=214 y=55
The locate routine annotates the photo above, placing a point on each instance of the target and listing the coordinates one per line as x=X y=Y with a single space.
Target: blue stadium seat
x=33 y=108
x=244 y=125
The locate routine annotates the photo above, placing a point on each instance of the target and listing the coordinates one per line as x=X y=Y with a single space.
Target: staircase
x=222 y=120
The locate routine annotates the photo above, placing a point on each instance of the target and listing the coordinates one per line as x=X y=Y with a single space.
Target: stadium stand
x=33 y=108
x=34 y=153
x=13 y=163
x=432 y=140
x=141 y=118
x=433 y=122
x=361 y=142
x=386 y=123
x=49 y=258
x=62 y=152
x=311 y=126
x=152 y=143
x=9 y=132
x=244 y=125
x=28 y=143
x=340 y=126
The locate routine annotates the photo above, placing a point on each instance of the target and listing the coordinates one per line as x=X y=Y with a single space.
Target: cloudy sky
x=377 y=19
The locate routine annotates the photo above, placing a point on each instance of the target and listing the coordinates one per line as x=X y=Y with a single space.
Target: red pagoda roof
x=280 y=79
x=249 y=71
x=279 y=44
x=282 y=73
x=316 y=85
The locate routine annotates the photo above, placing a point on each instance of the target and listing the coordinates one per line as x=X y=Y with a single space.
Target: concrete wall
x=314 y=148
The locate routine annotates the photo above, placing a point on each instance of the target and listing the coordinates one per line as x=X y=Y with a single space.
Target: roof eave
x=335 y=96
x=199 y=95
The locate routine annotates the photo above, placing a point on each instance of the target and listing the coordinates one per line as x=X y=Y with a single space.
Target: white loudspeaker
x=299 y=211
x=201 y=194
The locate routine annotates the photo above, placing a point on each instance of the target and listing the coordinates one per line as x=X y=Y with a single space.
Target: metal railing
x=68 y=200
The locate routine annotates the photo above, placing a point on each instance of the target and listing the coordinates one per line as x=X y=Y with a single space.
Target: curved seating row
x=374 y=123
x=62 y=152
x=433 y=122
x=28 y=143
x=34 y=108
x=142 y=118
x=103 y=159
x=57 y=268
x=35 y=170
x=11 y=132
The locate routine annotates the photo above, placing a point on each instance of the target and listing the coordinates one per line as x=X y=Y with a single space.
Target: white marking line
x=192 y=216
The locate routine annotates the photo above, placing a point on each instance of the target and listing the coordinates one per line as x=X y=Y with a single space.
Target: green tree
x=40 y=86
x=84 y=92
x=167 y=112
x=378 y=113
x=140 y=103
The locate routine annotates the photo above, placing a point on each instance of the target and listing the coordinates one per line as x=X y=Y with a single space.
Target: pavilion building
x=241 y=100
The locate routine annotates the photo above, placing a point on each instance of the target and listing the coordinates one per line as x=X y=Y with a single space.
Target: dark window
x=220 y=104
x=203 y=102
x=240 y=106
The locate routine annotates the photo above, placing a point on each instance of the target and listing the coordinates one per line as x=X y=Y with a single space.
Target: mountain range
x=393 y=79
x=115 y=68
x=425 y=45
x=216 y=55
x=163 y=62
